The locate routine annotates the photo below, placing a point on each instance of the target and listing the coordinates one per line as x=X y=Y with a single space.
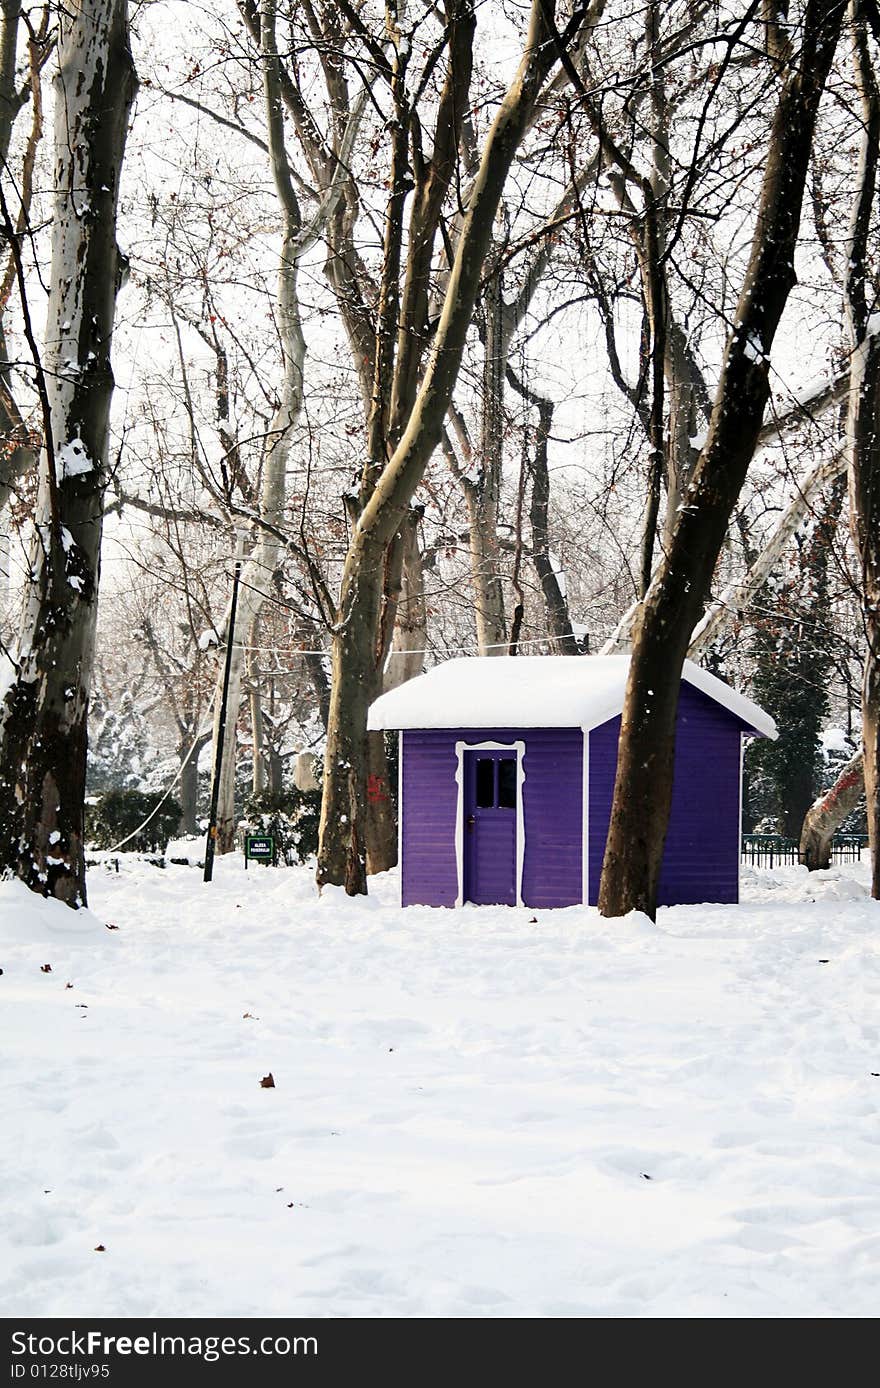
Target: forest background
x=455 y=325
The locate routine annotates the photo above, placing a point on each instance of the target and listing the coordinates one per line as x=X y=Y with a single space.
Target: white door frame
x=460 y=748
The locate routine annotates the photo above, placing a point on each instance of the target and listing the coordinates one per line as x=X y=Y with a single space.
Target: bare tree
x=299 y=234
x=341 y=857
x=19 y=442
x=672 y=605
x=863 y=416
x=43 y=719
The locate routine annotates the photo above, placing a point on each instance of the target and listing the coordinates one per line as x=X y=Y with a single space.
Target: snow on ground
x=475 y=1113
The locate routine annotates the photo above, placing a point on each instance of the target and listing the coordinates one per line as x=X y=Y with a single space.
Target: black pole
x=221 y=727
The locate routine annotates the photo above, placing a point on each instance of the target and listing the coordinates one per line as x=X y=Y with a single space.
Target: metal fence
x=772 y=850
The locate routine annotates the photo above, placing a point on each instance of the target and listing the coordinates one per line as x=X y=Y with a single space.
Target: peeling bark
x=825 y=817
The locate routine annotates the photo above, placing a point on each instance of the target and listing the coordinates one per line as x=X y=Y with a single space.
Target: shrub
x=115 y=814
x=291 y=817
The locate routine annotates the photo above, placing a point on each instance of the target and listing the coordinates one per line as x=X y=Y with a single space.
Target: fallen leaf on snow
x=268 y=1081
x=45 y=968
x=99 y=1248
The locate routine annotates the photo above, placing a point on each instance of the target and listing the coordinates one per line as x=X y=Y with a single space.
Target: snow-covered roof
x=535 y=692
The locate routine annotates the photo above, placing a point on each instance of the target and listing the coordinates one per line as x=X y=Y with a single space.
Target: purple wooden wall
x=701 y=857
x=552 y=813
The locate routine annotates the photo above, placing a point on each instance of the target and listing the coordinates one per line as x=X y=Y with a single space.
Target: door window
x=507 y=784
x=485 y=783
x=495 y=783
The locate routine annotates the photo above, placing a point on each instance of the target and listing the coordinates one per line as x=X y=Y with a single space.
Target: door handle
x=471 y=821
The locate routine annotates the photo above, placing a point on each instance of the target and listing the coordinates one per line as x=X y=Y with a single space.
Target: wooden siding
x=701 y=857
x=552 y=813
x=553 y=796
x=429 y=799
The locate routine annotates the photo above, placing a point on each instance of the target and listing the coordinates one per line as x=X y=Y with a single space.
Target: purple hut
x=507 y=771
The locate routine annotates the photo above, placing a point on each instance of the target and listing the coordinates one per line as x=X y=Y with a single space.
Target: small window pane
x=485 y=783
x=507 y=784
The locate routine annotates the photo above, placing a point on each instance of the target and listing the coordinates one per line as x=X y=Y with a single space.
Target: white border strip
x=585 y=821
x=743 y=739
x=460 y=749
x=400 y=813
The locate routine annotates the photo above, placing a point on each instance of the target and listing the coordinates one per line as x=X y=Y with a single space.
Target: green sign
x=260 y=848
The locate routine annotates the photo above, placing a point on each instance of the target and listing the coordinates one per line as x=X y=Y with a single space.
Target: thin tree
x=678 y=591
x=299 y=234
x=863 y=417
x=19 y=442
x=43 y=719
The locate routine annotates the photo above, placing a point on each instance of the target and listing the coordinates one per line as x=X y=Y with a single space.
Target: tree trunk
x=871 y=753
x=732 y=605
x=258 y=769
x=274 y=773
x=484 y=496
x=685 y=414
x=407 y=658
x=666 y=619
x=380 y=823
x=317 y=674
x=558 y=617
x=481 y=501
x=825 y=817
x=44 y=715
x=863 y=422
x=255 y=701
x=189 y=788
x=17 y=453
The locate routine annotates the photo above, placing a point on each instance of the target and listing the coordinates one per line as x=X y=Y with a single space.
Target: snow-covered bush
x=114 y=815
x=291 y=817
